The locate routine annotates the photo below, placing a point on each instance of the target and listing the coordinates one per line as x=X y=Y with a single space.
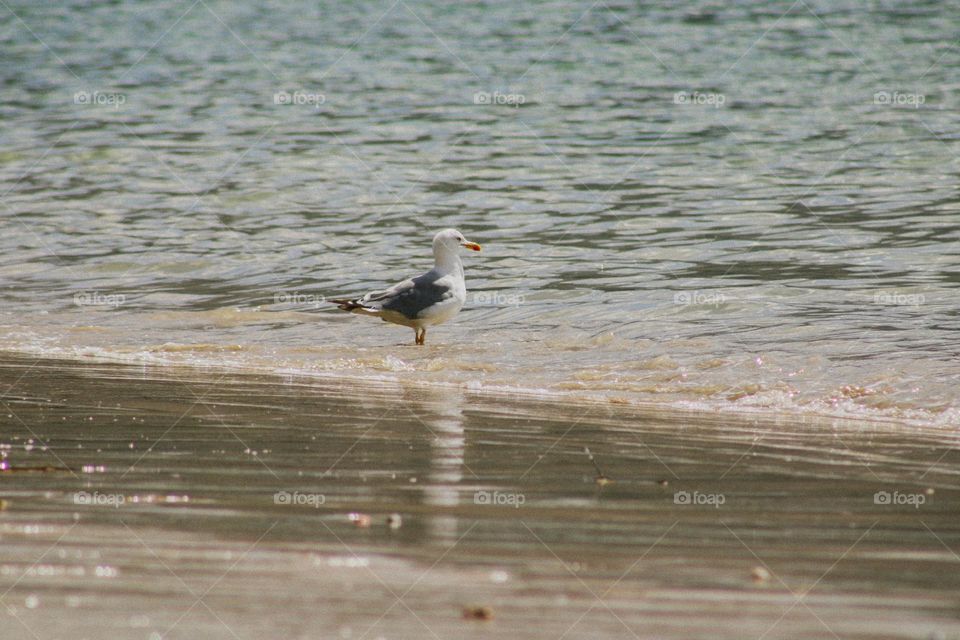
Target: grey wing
x=410 y=297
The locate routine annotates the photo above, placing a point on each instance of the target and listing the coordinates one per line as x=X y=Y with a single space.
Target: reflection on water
x=441 y=412
x=145 y=501
x=734 y=206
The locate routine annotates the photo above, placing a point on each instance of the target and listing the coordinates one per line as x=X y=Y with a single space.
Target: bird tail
x=355 y=306
x=346 y=305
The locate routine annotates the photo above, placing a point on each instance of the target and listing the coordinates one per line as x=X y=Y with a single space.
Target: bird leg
x=420 y=335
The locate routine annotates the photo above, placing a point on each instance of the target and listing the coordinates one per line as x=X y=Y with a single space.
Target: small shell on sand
x=477 y=613
x=361 y=520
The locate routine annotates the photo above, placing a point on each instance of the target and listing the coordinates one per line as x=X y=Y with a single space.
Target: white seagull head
x=447 y=242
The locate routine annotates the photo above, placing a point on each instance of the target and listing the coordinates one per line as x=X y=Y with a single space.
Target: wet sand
x=163 y=502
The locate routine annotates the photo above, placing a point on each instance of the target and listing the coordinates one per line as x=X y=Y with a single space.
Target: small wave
x=670 y=381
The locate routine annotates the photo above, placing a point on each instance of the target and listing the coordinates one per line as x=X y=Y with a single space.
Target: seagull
x=431 y=298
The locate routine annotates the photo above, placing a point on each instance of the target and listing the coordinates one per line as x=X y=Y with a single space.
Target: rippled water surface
x=738 y=206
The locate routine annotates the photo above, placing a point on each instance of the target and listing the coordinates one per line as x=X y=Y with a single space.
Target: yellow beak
x=473 y=246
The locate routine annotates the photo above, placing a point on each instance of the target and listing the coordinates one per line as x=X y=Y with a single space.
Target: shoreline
x=690 y=408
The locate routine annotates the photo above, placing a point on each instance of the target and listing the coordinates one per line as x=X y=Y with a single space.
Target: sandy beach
x=147 y=503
